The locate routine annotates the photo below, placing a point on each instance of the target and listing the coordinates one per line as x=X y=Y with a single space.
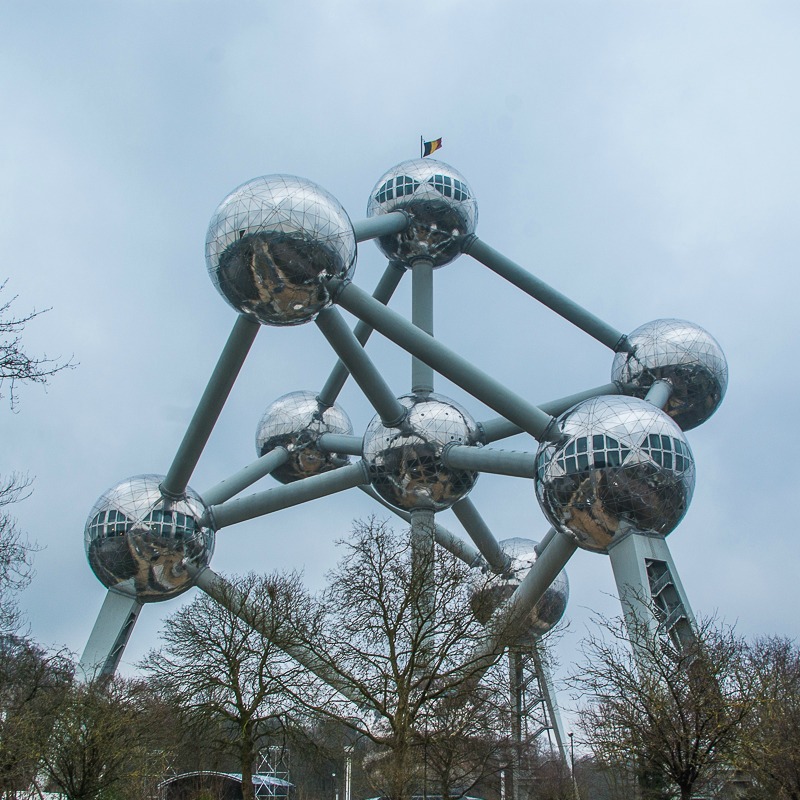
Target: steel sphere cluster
x=296 y=421
x=622 y=466
x=405 y=462
x=488 y=594
x=139 y=543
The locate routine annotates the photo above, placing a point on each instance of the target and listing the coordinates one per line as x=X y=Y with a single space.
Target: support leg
x=108 y=638
x=650 y=590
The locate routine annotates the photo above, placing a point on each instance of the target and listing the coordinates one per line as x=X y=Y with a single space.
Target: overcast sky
x=642 y=157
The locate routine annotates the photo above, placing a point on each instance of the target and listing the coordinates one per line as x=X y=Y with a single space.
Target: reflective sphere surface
x=296 y=421
x=405 y=463
x=487 y=594
x=441 y=206
x=272 y=244
x=684 y=354
x=623 y=465
x=138 y=543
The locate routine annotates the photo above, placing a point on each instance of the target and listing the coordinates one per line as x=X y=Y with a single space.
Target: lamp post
x=335 y=786
x=572 y=762
x=348 y=771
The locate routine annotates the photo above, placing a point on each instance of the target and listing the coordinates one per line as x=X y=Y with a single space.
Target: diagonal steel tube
x=291 y=494
x=383 y=292
x=479 y=532
x=448 y=363
x=208 y=409
x=539 y=290
x=500 y=428
x=506 y=620
x=659 y=393
x=228 y=596
x=245 y=477
x=364 y=372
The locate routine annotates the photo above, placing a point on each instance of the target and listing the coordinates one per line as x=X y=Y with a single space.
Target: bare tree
x=770 y=751
x=15 y=554
x=227 y=677
x=16 y=365
x=395 y=641
x=672 y=715
x=100 y=740
x=32 y=684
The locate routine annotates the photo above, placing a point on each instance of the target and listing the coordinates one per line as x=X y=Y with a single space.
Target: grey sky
x=640 y=156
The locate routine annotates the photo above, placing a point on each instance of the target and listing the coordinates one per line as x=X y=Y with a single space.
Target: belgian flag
x=430 y=147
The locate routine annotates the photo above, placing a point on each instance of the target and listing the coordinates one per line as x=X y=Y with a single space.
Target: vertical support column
x=650 y=591
x=422 y=318
x=108 y=638
x=423 y=537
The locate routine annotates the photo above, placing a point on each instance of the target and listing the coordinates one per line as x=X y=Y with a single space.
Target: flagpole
x=421 y=148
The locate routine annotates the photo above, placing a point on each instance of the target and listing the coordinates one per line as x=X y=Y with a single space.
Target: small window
x=572 y=465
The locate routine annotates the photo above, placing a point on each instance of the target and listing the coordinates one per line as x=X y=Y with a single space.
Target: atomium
x=296 y=421
x=488 y=594
x=405 y=462
x=271 y=245
x=139 y=544
x=440 y=204
x=622 y=465
x=683 y=354
x=612 y=473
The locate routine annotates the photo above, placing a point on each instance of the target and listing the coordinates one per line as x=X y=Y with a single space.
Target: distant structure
x=613 y=471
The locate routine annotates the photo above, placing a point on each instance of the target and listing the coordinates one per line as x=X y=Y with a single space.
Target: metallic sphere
x=622 y=465
x=138 y=543
x=271 y=245
x=684 y=354
x=405 y=463
x=441 y=206
x=487 y=595
x=296 y=421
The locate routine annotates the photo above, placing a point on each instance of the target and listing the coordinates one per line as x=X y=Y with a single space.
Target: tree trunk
x=246 y=757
